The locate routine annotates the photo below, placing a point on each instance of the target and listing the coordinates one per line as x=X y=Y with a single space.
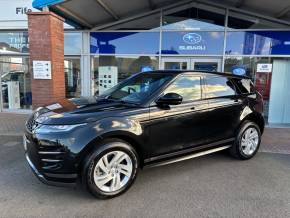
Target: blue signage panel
x=239 y=70
x=124 y=42
x=210 y=43
x=146 y=68
x=258 y=43
x=39 y=4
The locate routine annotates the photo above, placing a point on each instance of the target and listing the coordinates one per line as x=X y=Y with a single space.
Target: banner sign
x=258 y=43
x=264 y=68
x=124 y=42
x=192 y=43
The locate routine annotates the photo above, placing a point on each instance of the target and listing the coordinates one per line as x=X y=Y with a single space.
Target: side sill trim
x=202 y=153
x=189 y=150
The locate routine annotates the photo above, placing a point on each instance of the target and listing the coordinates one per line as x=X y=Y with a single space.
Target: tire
x=100 y=167
x=245 y=147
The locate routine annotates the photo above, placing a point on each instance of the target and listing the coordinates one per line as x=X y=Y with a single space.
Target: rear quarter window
x=244 y=86
x=218 y=86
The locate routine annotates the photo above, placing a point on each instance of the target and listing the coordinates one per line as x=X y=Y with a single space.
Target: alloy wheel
x=113 y=171
x=250 y=141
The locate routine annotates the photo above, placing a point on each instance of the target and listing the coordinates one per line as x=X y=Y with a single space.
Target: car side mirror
x=169 y=99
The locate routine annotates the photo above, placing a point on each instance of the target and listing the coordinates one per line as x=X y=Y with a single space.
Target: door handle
x=192 y=108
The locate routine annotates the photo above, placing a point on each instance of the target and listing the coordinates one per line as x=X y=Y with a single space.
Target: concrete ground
x=211 y=186
x=12 y=124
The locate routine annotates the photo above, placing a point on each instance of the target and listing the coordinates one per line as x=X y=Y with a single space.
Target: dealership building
x=105 y=41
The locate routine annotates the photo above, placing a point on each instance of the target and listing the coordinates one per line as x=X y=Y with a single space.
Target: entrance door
x=176 y=64
x=213 y=65
x=198 y=64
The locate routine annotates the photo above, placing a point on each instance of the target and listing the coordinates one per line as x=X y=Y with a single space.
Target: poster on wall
x=263 y=79
x=41 y=69
x=264 y=68
x=108 y=77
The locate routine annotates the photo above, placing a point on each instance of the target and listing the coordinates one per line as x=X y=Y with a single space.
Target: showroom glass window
x=118 y=55
x=193 y=30
x=217 y=86
x=15 y=82
x=72 y=51
x=151 y=22
x=258 y=43
x=14 y=71
x=238 y=20
x=109 y=70
x=194 y=18
x=72 y=43
x=247 y=64
x=187 y=86
x=124 y=42
x=192 y=42
x=14 y=42
x=72 y=77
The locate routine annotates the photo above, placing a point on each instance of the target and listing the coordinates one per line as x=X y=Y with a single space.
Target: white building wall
x=13 y=13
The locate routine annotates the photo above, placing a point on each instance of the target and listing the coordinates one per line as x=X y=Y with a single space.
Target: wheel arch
x=131 y=140
x=256 y=118
x=121 y=135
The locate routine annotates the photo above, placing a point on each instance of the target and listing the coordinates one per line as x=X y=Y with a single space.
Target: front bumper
x=46 y=176
x=47 y=181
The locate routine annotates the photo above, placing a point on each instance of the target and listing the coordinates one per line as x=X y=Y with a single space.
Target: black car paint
x=156 y=133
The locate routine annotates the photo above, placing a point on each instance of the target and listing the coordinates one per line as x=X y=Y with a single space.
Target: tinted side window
x=187 y=86
x=218 y=87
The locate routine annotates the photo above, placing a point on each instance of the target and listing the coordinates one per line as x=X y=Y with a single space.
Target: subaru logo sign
x=239 y=70
x=191 y=38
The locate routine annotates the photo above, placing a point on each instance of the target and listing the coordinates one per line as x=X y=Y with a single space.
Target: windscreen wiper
x=111 y=99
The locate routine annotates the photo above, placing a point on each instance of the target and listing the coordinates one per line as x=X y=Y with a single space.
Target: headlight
x=57 y=128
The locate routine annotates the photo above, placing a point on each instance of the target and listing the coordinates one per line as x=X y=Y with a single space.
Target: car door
x=224 y=108
x=179 y=126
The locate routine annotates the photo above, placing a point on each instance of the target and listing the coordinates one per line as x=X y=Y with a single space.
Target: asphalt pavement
x=211 y=186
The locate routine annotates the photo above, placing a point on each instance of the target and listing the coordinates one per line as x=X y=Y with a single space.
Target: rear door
x=224 y=107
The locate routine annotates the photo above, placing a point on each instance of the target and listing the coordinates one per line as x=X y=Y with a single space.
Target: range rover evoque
x=152 y=118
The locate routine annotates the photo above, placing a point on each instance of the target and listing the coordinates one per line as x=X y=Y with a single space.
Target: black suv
x=151 y=118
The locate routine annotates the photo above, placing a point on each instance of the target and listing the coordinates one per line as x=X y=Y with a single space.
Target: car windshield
x=137 y=88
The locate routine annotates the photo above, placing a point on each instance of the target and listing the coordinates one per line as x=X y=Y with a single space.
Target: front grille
x=31 y=124
x=51 y=156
